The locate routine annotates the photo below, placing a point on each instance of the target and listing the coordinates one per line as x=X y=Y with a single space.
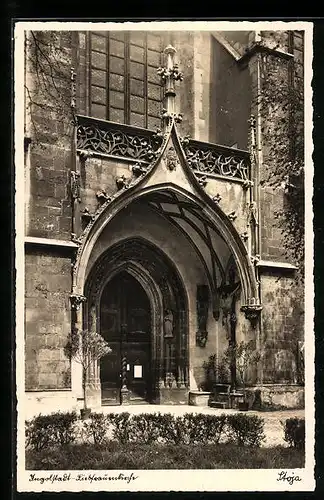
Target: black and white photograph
x=164 y=256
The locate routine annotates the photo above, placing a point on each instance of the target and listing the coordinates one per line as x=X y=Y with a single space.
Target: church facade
x=146 y=219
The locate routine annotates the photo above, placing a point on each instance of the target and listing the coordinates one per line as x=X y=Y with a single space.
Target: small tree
x=84 y=347
x=243 y=355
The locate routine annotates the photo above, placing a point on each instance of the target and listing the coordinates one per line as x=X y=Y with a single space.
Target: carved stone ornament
x=185 y=141
x=252 y=212
x=217 y=198
x=86 y=215
x=102 y=196
x=121 y=182
x=168 y=324
x=247 y=184
x=172 y=73
x=255 y=259
x=202 y=314
x=202 y=180
x=171 y=159
x=167 y=116
x=75 y=185
x=138 y=170
x=213 y=159
x=201 y=338
x=252 y=312
x=85 y=154
x=73 y=89
x=75 y=239
x=117 y=140
x=232 y=216
x=76 y=301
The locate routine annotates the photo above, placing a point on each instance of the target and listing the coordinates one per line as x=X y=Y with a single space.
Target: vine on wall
x=48 y=85
x=282 y=105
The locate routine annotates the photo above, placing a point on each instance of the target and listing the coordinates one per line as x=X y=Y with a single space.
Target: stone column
x=77 y=306
x=94 y=367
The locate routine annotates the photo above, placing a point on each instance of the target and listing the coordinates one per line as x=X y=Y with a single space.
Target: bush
x=50 y=430
x=96 y=428
x=145 y=428
x=122 y=428
x=295 y=432
x=201 y=428
x=172 y=429
x=247 y=430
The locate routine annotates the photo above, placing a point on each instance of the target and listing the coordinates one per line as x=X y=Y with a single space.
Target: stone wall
x=48 y=208
x=100 y=174
x=82 y=74
x=47 y=319
x=271 y=202
x=230 y=100
x=282 y=327
x=184 y=43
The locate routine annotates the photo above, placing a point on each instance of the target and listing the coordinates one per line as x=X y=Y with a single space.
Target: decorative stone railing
x=101 y=137
x=134 y=144
x=207 y=158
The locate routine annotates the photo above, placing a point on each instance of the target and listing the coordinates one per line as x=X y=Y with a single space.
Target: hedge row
x=65 y=428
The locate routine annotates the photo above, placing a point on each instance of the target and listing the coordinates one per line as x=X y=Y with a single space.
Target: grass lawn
x=157 y=456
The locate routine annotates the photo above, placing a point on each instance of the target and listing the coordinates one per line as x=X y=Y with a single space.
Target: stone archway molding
x=165 y=289
x=197 y=195
x=227 y=231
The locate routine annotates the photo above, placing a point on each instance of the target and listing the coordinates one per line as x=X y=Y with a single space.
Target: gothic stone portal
x=141 y=311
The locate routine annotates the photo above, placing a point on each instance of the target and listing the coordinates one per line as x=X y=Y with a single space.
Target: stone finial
x=169 y=75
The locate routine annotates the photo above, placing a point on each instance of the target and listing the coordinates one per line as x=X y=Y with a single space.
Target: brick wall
x=47 y=320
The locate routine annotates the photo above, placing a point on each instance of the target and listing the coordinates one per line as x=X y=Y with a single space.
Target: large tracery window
x=123 y=80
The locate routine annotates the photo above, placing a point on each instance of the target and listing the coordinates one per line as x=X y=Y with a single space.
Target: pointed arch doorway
x=137 y=300
x=125 y=322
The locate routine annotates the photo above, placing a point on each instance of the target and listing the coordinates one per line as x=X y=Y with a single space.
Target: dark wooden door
x=125 y=323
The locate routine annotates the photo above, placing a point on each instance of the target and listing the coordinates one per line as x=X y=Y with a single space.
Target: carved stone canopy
x=252 y=312
x=76 y=301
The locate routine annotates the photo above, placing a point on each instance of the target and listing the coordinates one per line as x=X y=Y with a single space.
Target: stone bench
x=199 y=398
